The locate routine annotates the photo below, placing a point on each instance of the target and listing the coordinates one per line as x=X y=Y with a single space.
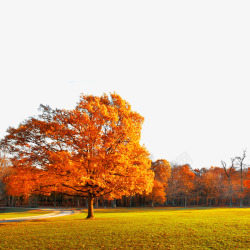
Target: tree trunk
x=230 y=193
x=90 y=207
x=241 y=202
x=96 y=203
x=16 y=200
x=241 y=188
x=12 y=200
x=173 y=201
x=55 y=201
x=29 y=201
x=114 y=203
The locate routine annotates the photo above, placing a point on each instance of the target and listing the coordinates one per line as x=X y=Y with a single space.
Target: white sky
x=183 y=65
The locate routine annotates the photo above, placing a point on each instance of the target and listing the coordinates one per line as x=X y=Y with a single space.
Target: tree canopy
x=90 y=151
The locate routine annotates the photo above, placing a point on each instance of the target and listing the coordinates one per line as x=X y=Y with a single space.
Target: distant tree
x=212 y=183
x=22 y=181
x=230 y=173
x=158 y=194
x=240 y=160
x=162 y=171
x=198 y=187
x=198 y=190
x=4 y=165
x=247 y=181
x=91 y=151
x=181 y=182
x=172 y=191
x=5 y=170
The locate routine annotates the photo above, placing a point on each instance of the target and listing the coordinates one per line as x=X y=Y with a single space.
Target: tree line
x=92 y=155
x=174 y=185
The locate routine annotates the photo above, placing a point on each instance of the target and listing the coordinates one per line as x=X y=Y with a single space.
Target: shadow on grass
x=12 y=210
x=147 y=209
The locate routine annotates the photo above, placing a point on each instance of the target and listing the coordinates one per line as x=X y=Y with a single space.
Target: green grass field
x=219 y=228
x=20 y=212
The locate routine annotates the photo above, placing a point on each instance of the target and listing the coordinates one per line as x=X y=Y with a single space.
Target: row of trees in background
x=93 y=153
x=176 y=185
x=180 y=185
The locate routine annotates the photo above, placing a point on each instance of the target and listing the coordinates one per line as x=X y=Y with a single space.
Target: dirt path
x=54 y=213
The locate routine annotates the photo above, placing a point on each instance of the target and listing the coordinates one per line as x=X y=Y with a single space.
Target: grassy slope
x=20 y=212
x=134 y=228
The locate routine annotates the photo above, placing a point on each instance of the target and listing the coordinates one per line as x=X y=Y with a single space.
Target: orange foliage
x=182 y=180
x=162 y=170
x=158 y=193
x=247 y=182
x=185 y=178
x=21 y=181
x=212 y=182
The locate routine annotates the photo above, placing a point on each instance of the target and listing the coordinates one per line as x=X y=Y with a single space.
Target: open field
x=217 y=228
x=7 y=213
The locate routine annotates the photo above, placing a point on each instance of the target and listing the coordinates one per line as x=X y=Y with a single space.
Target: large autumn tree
x=91 y=151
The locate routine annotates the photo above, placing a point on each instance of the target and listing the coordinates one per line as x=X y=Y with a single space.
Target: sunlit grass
x=221 y=228
x=20 y=212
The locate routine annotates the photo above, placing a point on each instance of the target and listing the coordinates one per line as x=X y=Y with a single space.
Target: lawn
x=219 y=228
x=8 y=213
